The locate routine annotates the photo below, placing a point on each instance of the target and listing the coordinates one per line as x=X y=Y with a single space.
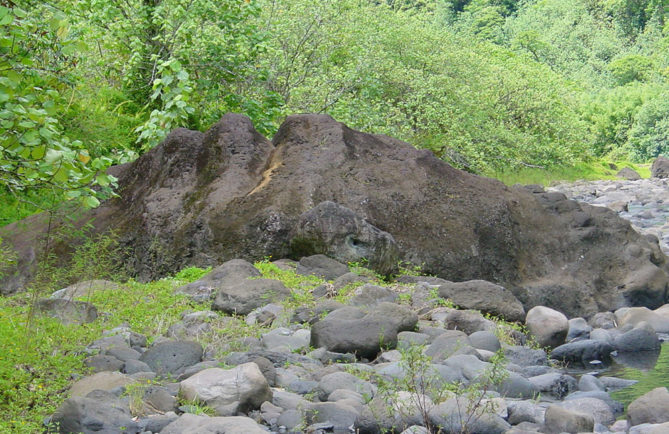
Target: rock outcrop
x=204 y=198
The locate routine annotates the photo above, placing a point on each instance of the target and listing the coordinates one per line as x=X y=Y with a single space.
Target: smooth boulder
x=230 y=391
x=350 y=330
x=548 y=326
x=484 y=296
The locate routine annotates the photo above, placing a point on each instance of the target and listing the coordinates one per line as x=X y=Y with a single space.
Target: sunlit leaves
x=34 y=152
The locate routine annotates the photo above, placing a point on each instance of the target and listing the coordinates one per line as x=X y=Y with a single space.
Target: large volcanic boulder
x=205 y=198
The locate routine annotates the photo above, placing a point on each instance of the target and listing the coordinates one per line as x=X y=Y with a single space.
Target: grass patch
x=590 y=171
x=40 y=354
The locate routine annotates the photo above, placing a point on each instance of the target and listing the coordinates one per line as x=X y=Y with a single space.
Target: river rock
x=653 y=407
x=641 y=338
x=189 y=423
x=67 y=311
x=660 y=167
x=393 y=412
x=105 y=380
x=100 y=411
x=369 y=295
x=230 y=391
x=321 y=266
x=205 y=198
x=450 y=343
x=451 y=417
x=583 y=352
x=485 y=297
x=559 y=420
x=600 y=411
x=85 y=289
x=628 y=174
x=578 y=329
x=343 y=380
x=350 y=330
x=635 y=315
x=589 y=382
x=525 y=411
x=339 y=415
x=172 y=357
x=548 y=326
x=555 y=384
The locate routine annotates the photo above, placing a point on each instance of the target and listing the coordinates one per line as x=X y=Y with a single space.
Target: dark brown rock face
x=202 y=199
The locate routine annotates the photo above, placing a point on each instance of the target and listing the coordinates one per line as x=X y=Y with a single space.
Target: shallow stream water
x=647 y=208
x=651 y=370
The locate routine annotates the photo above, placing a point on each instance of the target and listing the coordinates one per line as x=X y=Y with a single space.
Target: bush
x=650 y=135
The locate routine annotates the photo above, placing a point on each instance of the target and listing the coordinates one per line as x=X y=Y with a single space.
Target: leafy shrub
x=649 y=137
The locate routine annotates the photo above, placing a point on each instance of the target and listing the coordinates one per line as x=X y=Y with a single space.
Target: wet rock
x=641 y=338
x=583 y=352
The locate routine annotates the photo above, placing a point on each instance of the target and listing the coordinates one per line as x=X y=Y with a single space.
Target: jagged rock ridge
x=204 y=198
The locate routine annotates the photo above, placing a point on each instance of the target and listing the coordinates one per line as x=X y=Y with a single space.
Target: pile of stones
x=396 y=357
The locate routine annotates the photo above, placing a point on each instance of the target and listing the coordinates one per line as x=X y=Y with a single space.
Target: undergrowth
x=41 y=355
x=590 y=171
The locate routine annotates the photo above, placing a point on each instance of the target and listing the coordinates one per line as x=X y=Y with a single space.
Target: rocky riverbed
x=416 y=355
x=644 y=202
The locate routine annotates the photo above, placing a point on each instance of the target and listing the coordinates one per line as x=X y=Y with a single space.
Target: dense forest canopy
x=486 y=84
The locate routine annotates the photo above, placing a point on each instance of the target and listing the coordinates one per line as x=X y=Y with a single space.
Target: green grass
x=594 y=170
x=40 y=354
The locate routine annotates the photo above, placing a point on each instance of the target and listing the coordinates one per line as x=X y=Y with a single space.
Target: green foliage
x=426 y=389
x=649 y=137
x=475 y=104
x=598 y=169
x=300 y=286
x=36 y=51
x=41 y=355
x=632 y=67
x=8 y=258
x=191 y=274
